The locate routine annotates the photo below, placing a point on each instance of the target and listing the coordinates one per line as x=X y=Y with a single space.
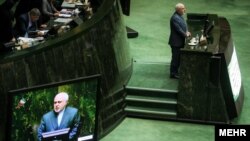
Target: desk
x=56 y=27
x=210 y=89
x=68 y=5
x=72 y=4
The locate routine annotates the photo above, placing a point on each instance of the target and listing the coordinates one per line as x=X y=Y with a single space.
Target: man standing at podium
x=61 y=117
x=178 y=34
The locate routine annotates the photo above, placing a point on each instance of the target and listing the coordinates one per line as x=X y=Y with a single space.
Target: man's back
x=178 y=30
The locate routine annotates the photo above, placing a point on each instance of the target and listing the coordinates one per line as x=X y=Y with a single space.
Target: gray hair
x=179 y=5
x=35 y=12
x=64 y=95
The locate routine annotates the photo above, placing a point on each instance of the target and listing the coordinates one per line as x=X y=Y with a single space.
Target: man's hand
x=188 y=34
x=56 y=14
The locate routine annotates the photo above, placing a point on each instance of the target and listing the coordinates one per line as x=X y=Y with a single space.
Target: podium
x=57 y=135
x=210 y=85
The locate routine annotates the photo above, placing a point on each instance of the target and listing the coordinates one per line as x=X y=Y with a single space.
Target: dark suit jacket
x=48 y=10
x=178 y=31
x=70 y=119
x=25 y=6
x=22 y=23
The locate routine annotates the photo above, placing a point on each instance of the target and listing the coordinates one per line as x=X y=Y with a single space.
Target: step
x=152 y=105
x=150 y=112
x=151 y=92
x=136 y=98
x=151 y=102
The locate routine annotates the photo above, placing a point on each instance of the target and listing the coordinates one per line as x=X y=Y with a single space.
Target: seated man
x=26 y=24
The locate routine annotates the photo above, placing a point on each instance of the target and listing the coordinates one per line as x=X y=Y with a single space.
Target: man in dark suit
x=48 y=10
x=24 y=6
x=61 y=117
x=178 y=34
x=26 y=24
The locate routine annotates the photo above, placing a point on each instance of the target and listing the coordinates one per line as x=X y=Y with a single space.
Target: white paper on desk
x=63 y=20
x=68 y=5
x=79 y=3
x=24 y=39
x=66 y=11
x=64 y=15
x=70 y=1
x=27 y=41
x=43 y=31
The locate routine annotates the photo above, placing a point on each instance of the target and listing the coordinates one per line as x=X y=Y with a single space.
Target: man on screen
x=61 y=117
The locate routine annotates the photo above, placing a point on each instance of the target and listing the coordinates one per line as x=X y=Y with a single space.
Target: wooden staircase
x=151 y=103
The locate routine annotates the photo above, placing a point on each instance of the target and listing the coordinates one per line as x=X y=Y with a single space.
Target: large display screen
x=28 y=106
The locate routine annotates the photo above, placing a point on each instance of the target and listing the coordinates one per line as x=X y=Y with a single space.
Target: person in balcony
x=26 y=24
x=48 y=10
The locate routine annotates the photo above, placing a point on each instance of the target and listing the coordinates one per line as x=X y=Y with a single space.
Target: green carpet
x=152 y=75
x=151 y=20
x=133 y=129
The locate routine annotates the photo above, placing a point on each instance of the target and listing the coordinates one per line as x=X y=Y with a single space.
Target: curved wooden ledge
x=97 y=46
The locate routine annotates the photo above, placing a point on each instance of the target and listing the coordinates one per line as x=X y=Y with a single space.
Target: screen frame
x=15 y=92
